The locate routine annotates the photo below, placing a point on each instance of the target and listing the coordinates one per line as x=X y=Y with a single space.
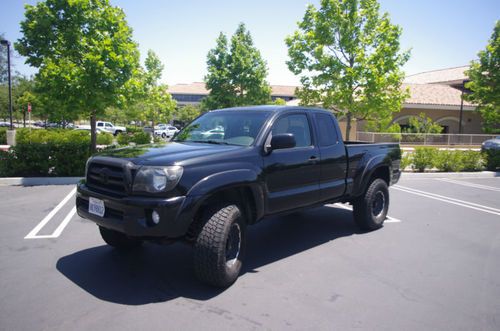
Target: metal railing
x=425 y=139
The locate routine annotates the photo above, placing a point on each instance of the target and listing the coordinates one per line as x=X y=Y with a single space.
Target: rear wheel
x=118 y=240
x=370 y=210
x=220 y=246
x=164 y=135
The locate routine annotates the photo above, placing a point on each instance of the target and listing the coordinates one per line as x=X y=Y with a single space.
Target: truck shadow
x=161 y=273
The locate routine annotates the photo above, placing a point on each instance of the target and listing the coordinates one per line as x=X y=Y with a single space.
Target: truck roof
x=273 y=108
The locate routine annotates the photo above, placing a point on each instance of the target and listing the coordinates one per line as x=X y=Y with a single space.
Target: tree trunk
x=93 y=137
x=348 y=126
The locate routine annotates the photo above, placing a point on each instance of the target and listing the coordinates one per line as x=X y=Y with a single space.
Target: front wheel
x=220 y=246
x=370 y=210
x=118 y=240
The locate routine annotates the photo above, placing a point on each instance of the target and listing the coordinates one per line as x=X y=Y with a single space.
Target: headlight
x=157 y=179
x=87 y=166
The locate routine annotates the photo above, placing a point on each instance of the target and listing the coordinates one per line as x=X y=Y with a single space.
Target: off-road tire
x=216 y=261
x=368 y=212
x=164 y=135
x=119 y=240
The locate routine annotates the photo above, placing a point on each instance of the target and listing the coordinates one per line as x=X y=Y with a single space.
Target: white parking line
x=446 y=199
x=458 y=182
x=388 y=219
x=60 y=228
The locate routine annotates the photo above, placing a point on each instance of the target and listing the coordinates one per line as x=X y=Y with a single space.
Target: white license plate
x=96 y=207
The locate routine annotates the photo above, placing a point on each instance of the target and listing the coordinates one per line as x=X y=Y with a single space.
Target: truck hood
x=168 y=153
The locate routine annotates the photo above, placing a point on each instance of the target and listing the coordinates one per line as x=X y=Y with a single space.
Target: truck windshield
x=225 y=128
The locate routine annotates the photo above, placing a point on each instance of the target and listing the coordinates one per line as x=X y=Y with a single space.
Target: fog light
x=155 y=217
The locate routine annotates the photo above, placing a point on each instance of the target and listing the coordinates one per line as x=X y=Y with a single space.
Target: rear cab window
x=327 y=131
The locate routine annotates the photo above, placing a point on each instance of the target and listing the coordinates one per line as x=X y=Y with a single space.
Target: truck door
x=333 y=159
x=292 y=174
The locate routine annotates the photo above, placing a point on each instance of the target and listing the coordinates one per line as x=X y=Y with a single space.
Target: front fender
x=210 y=185
x=223 y=180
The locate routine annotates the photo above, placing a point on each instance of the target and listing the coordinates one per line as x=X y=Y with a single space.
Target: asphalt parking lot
x=435 y=265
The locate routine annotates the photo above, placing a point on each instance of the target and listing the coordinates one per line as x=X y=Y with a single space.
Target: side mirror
x=281 y=141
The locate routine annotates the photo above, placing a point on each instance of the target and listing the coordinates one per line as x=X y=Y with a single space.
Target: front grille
x=108 y=178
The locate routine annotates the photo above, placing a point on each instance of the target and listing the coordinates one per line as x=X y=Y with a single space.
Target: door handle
x=313 y=159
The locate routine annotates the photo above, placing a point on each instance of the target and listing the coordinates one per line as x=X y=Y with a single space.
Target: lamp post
x=7 y=43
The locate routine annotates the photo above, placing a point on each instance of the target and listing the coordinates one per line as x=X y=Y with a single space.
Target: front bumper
x=132 y=215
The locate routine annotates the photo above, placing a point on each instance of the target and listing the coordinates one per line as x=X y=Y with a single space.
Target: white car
x=165 y=130
x=104 y=127
x=109 y=127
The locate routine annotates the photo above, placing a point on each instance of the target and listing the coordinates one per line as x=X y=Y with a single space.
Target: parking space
x=434 y=265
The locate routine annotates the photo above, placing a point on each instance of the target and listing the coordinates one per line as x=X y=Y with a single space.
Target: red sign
x=29 y=107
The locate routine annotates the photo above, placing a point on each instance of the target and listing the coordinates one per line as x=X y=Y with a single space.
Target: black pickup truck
x=229 y=169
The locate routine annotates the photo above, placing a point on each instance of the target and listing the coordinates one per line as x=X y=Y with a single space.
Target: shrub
x=141 y=138
x=446 y=160
x=492 y=158
x=423 y=158
x=24 y=136
x=45 y=159
x=104 y=139
x=472 y=161
x=406 y=160
x=134 y=129
x=3 y=136
x=123 y=138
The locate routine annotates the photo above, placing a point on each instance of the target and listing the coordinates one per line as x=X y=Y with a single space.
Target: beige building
x=186 y=94
x=436 y=93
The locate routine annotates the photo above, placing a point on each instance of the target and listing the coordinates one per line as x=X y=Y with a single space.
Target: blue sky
x=441 y=33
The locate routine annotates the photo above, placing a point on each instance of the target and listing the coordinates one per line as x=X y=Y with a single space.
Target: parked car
x=105 y=126
x=109 y=127
x=206 y=191
x=165 y=130
x=491 y=144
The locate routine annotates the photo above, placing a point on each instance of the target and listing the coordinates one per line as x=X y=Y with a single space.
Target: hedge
x=45 y=159
x=138 y=138
x=444 y=160
x=57 y=152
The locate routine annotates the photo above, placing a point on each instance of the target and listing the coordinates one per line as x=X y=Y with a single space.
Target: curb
x=36 y=181
x=477 y=174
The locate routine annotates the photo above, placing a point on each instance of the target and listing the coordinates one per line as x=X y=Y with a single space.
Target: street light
x=7 y=43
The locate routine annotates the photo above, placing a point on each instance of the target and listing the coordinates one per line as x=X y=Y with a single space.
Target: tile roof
x=199 y=88
x=192 y=88
x=442 y=76
x=434 y=94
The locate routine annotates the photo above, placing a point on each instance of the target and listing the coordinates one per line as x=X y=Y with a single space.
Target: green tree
x=422 y=124
x=484 y=75
x=349 y=59
x=236 y=73
x=84 y=52
x=157 y=102
x=187 y=113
